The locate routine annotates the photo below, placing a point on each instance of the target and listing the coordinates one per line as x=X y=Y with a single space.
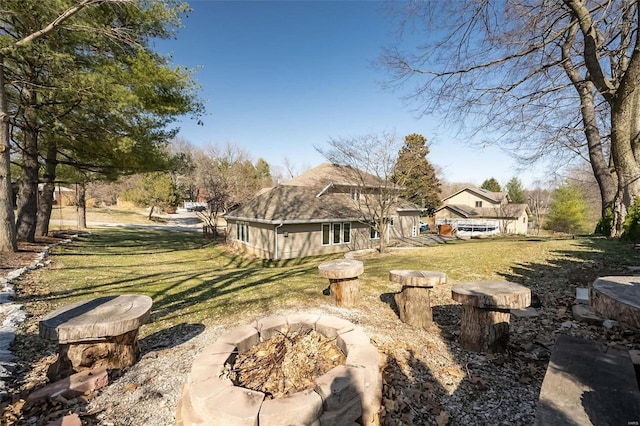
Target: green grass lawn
x=192 y=280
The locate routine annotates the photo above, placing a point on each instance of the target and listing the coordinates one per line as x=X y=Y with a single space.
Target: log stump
x=344 y=287
x=98 y=333
x=414 y=300
x=618 y=298
x=484 y=323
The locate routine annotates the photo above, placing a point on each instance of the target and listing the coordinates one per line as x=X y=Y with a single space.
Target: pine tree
x=416 y=174
x=517 y=194
x=567 y=211
x=491 y=184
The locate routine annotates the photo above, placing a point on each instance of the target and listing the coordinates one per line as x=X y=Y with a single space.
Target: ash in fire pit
x=348 y=392
x=286 y=363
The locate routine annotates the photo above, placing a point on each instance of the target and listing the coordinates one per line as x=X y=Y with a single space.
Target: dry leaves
x=286 y=363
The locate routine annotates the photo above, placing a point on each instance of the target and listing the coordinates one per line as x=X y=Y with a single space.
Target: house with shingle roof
x=318 y=212
x=474 y=211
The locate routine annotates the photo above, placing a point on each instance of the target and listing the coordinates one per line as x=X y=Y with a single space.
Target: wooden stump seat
x=486 y=305
x=344 y=287
x=100 y=332
x=414 y=300
x=618 y=298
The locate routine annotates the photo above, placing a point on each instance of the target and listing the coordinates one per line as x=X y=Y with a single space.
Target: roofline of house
x=293 y=221
x=477 y=191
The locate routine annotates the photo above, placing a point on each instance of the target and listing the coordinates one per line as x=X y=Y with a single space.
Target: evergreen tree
x=416 y=175
x=517 y=194
x=153 y=190
x=491 y=184
x=567 y=211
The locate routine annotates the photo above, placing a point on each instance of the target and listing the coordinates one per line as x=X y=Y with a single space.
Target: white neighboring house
x=475 y=211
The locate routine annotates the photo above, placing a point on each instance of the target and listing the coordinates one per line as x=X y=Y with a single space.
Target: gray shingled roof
x=303 y=199
x=506 y=211
x=496 y=197
x=327 y=173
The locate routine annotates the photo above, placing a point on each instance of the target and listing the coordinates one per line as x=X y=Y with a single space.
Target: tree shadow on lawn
x=183 y=289
x=139 y=241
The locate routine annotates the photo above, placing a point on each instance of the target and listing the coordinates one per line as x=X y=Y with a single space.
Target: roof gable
x=494 y=197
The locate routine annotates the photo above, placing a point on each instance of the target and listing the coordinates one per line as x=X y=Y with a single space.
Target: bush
x=631 y=225
x=605 y=223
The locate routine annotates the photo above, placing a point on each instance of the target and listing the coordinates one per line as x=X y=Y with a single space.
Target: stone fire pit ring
x=346 y=394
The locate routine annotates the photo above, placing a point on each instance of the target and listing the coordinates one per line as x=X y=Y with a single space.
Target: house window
x=373 y=233
x=346 y=232
x=336 y=233
x=478 y=203
x=326 y=234
x=356 y=194
x=242 y=231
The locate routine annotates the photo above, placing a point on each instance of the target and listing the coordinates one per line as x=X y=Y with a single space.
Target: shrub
x=631 y=225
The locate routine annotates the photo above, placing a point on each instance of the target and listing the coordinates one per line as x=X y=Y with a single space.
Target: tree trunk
x=345 y=291
x=484 y=330
x=597 y=159
x=81 y=205
x=624 y=141
x=600 y=166
x=28 y=189
x=7 y=218
x=45 y=202
x=414 y=306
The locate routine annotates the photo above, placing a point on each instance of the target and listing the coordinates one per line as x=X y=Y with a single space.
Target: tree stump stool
x=414 y=300
x=486 y=305
x=618 y=298
x=95 y=333
x=344 y=286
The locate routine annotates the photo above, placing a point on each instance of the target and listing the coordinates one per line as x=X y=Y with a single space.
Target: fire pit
x=350 y=392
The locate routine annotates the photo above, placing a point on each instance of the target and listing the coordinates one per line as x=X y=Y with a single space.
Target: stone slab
x=582 y=295
x=72 y=386
x=332 y=326
x=336 y=387
x=271 y=325
x=585 y=313
x=585 y=385
x=237 y=406
x=301 y=408
x=345 y=416
x=353 y=337
x=243 y=337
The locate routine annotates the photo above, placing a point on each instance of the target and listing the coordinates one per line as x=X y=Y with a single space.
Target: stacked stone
x=346 y=395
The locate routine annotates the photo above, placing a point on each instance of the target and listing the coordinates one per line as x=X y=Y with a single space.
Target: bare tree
x=538 y=200
x=549 y=78
x=225 y=177
x=371 y=160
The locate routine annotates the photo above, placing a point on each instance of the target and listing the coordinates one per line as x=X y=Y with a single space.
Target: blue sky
x=282 y=77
